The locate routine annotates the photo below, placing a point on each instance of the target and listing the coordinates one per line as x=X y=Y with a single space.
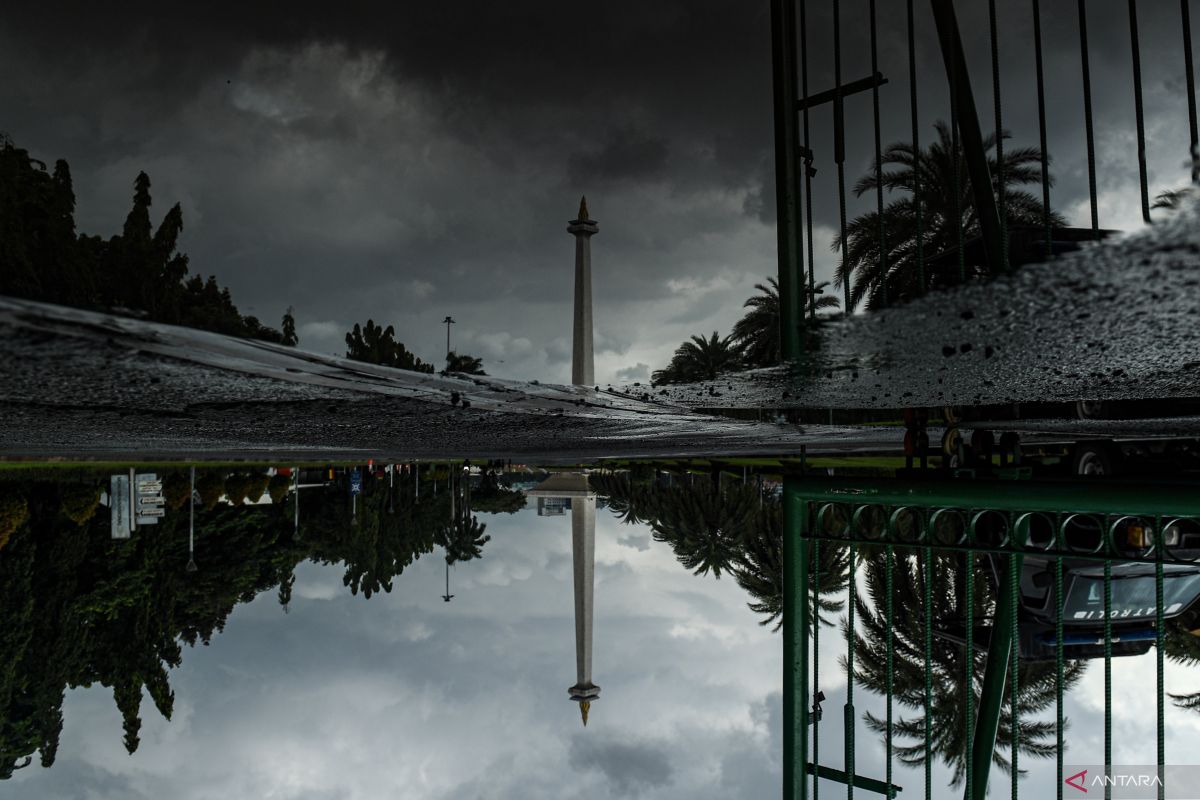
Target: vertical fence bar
x=955 y=149
x=1186 y=24
x=795 y=641
x=1014 y=712
x=1160 y=742
x=1087 y=117
x=916 y=146
x=883 y=254
x=969 y=670
x=783 y=68
x=1137 y=108
x=1058 y=663
x=928 y=670
x=1107 y=677
x=811 y=300
x=839 y=150
x=1041 y=102
x=1001 y=183
x=848 y=717
x=890 y=555
x=815 y=620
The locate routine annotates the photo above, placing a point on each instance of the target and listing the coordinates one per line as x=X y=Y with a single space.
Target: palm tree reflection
x=1036 y=690
x=714 y=526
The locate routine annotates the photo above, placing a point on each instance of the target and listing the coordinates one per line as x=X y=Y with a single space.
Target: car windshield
x=1133 y=596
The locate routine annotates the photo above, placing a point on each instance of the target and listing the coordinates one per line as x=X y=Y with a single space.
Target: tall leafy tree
x=935 y=167
x=139 y=269
x=374 y=344
x=288 y=328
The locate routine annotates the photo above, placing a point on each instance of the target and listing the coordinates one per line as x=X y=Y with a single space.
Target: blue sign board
x=356 y=482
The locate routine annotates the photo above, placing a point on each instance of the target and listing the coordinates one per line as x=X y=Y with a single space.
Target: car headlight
x=1138 y=535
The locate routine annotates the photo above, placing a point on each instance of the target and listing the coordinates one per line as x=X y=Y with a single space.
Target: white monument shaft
x=583 y=559
x=583 y=562
x=583 y=228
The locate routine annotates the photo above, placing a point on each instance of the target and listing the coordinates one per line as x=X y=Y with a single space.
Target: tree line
x=78 y=608
x=374 y=344
x=138 y=270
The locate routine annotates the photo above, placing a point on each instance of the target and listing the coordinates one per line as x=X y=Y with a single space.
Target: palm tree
x=1036 y=682
x=632 y=503
x=466 y=364
x=700 y=359
x=747 y=543
x=1183 y=647
x=706 y=527
x=463 y=539
x=1171 y=199
x=757 y=333
x=759 y=570
x=935 y=166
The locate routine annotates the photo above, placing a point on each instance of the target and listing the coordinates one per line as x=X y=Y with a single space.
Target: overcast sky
x=409 y=162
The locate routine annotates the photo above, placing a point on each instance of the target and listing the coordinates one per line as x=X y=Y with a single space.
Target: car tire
x=1099 y=459
x=1091 y=409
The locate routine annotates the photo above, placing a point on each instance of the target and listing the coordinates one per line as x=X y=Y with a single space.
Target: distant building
x=553 y=506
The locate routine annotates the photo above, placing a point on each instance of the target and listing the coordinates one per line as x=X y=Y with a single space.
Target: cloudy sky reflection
x=403 y=695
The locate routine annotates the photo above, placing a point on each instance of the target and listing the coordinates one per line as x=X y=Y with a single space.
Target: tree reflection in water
x=1036 y=681
x=78 y=608
x=714 y=525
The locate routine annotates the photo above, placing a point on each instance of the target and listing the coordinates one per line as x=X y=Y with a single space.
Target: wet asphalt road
x=85 y=385
x=1115 y=321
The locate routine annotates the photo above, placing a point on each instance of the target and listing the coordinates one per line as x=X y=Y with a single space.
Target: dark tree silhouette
x=77 y=608
x=288 y=328
x=140 y=270
x=465 y=364
x=375 y=345
x=757 y=333
x=700 y=359
x=684 y=515
x=935 y=165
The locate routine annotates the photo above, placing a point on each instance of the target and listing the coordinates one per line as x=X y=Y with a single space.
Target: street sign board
x=118 y=506
x=151 y=505
x=356 y=482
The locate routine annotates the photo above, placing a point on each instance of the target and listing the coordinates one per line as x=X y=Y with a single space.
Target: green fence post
x=795 y=641
x=787 y=176
x=995 y=672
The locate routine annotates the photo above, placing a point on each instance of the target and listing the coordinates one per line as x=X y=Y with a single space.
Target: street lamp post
x=449 y=321
x=191 y=564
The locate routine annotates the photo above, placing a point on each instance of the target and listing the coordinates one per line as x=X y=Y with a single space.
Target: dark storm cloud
x=410 y=161
x=630 y=767
x=627 y=154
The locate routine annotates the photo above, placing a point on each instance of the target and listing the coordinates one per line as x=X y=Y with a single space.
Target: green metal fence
x=1079 y=535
